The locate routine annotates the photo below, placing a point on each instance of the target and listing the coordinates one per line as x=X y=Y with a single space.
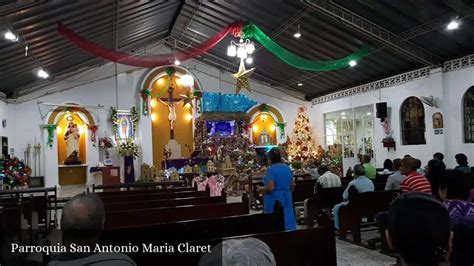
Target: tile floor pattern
x=347 y=254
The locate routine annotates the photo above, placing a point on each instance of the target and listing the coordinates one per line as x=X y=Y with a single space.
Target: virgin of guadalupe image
x=72 y=144
x=124 y=128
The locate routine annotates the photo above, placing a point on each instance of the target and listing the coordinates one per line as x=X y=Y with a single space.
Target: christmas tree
x=301 y=147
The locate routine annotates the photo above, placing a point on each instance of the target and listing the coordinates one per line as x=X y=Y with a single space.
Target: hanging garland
x=264 y=108
x=51 y=129
x=282 y=126
x=147 y=61
x=250 y=30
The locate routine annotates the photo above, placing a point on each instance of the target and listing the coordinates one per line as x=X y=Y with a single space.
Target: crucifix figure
x=171 y=102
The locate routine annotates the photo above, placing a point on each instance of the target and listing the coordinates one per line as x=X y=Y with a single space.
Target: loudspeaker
x=381 y=110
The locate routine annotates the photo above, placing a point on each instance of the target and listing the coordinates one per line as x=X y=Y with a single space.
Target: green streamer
x=250 y=30
x=51 y=129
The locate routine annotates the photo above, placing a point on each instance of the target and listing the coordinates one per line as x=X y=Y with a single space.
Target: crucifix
x=171 y=102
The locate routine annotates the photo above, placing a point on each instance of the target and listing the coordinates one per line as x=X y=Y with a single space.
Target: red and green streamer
x=251 y=30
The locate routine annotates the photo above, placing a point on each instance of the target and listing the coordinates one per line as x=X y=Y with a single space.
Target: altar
x=72 y=174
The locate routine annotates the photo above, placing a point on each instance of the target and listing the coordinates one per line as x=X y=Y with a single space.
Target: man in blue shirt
x=361 y=183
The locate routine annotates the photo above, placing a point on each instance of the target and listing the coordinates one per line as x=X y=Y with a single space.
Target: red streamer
x=147 y=61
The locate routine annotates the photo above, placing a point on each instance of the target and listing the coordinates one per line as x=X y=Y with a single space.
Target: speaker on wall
x=381 y=110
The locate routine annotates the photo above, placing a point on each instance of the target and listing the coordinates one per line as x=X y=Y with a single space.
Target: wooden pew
x=120 y=219
x=315 y=246
x=140 y=185
x=143 y=191
x=362 y=205
x=304 y=189
x=135 y=205
x=195 y=230
x=155 y=196
x=319 y=208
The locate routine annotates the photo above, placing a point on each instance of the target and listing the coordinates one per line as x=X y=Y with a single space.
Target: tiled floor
x=347 y=254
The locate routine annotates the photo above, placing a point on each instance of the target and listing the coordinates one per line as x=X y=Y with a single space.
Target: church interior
x=237 y=132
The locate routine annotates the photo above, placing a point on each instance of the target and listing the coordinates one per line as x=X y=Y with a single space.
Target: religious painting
x=125 y=126
x=437 y=120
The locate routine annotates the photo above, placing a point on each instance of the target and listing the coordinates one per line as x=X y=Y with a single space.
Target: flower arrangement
x=14 y=172
x=105 y=143
x=114 y=119
x=128 y=147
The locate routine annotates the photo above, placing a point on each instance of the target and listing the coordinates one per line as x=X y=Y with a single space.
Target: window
x=468 y=105
x=413 y=122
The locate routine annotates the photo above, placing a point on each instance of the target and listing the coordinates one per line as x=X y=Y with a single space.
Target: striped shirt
x=329 y=179
x=415 y=182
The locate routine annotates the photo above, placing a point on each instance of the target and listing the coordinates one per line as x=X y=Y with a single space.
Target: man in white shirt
x=327 y=179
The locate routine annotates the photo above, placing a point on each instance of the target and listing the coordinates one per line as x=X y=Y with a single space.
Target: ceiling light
x=249 y=60
x=343 y=113
x=241 y=52
x=343 y=117
x=352 y=63
x=42 y=74
x=232 y=50
x=177 y=62
x=300 y=84
x=453 y=24
x=369 y=113
x=10 y=36
x=187 y=80
x=297 y=34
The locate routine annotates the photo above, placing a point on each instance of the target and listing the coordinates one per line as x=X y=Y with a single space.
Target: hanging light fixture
x=232 y=50
x=187 y=80
x=453 y=24
x=249 y=60
x=242 y=49
x=352 y=63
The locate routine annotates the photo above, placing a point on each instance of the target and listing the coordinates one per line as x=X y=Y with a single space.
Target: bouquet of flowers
x=128 y=147
x=105 y=143
x=14 y=172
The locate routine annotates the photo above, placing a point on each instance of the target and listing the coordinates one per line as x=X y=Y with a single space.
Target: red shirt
x=415 y=182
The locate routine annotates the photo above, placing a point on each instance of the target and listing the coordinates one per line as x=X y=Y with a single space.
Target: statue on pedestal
x=72 y=144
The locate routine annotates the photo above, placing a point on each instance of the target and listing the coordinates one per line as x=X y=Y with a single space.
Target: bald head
x=83 y=216
x=409 y=164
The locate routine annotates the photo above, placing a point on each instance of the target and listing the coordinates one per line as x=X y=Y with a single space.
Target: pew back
x=155 y=196
x=135 y=205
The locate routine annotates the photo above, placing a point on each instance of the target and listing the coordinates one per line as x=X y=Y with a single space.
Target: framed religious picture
x=125 y=125
x=437 y=120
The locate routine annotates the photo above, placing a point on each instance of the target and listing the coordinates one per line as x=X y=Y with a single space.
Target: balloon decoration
x=251 y=30
x=229 y=103
x=147 y=61
x=248 y=31
x=14 y=172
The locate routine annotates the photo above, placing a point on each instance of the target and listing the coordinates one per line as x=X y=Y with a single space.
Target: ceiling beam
x=375 y=31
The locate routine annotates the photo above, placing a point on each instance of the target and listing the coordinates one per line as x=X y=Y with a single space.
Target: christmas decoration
x=242 y=77
x=114 y=119
x=282 y=126
x=188 y=98
x=301 y=147
x=106 y=143
x=51 y=128
x=93 y=129
x=14 y=172
x=148 y=61
x=226 y=103
x=250 y=30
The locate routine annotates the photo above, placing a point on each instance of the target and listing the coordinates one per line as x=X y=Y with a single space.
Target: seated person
x=435 y=170
x=387 y=166
x=413 y=180
x=361 y=183
x=438 y=156
x=246 y=252
x=394 y=180
x=370 y=170
x=420 y=170
x=418 y=229
x=463 y=166
x=327 y=179
x=454 y=191
x=82 y=222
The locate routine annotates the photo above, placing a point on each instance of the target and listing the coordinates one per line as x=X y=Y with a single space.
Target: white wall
x=448 y=87
x=97 y=86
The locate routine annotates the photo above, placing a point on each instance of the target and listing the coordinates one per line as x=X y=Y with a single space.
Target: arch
x=160 y=124
x=468 y=115
x=254 y=111
x=264 y=128
x=412 y=120
x=83 y=117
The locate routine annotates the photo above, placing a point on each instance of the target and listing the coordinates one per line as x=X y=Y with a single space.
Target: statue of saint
x=72 y=144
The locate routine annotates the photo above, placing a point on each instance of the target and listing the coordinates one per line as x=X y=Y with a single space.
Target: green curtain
x=250 y=30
